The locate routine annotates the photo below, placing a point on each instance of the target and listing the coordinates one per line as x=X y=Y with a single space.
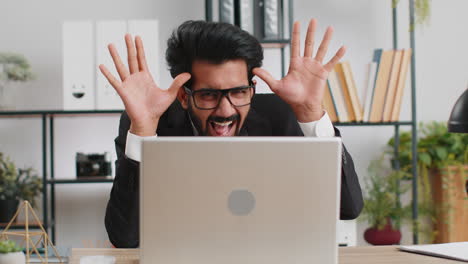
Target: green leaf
x=18 y=183
x=441 y=153
x=8 y=246
x=425 y=159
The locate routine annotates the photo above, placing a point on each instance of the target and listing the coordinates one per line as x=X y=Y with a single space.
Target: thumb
x=179 y=80
x=266 y=77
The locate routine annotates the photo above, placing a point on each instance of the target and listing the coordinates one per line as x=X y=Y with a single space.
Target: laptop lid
x=239 y=200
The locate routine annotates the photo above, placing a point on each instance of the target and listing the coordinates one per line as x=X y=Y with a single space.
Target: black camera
x=91 y=165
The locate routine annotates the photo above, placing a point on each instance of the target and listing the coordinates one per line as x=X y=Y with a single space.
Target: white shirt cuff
x=320 y=128
x=133 y=146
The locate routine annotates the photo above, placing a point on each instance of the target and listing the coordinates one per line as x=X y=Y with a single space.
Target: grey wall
x=33 y=28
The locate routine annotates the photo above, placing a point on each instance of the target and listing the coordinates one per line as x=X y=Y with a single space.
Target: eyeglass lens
x=210 y=98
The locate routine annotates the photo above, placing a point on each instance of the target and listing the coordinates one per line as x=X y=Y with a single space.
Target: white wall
x=33 y=28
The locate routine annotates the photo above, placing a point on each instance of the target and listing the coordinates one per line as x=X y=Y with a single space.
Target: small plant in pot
x=10 y=253
x=16 y=184
x=442 y=167
x=382 y=209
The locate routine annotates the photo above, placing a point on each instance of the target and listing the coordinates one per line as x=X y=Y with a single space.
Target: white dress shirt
x=320 y=128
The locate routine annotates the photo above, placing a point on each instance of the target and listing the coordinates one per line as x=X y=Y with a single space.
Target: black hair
x=215 y=42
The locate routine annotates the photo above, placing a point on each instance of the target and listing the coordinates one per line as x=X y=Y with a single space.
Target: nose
x=225 y=108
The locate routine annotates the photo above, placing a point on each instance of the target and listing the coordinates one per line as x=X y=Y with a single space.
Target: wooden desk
x=384 y=255
x=347 y=255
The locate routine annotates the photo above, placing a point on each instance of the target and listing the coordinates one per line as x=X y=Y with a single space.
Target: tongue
x=221 y=130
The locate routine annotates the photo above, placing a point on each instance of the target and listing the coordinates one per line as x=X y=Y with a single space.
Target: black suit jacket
x=268 y=116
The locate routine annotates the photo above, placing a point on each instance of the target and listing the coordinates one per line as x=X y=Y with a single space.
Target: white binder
x=271 y=56
x=148 y=31
x=78 y=65
x=109 y=32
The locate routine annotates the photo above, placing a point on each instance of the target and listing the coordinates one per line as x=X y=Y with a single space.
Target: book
x=337 y=95
x=246 y=20
x=258 y=15
x=272 y=15
x=226 y=11
x=381 y=84
x=400 y=87
x=392 y=84
x=345 y=91
x=328 y=104
x=369 y=90
x=352 y=90
x=455 y=251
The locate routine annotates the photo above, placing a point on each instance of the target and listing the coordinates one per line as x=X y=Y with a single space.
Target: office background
x=33 y=28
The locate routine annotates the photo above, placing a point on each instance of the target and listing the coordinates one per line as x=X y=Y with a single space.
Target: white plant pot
x=13 y=258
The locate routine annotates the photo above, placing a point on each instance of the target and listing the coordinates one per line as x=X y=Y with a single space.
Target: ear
x=254 y=82
x=183 y=98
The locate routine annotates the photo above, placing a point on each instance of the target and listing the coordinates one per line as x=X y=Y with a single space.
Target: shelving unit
x=47 y=130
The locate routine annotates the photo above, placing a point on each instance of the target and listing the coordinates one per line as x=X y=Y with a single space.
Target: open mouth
x=222 y=129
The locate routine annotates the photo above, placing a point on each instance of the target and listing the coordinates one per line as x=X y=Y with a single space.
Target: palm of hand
x=143 y=98
x=305 y=80
x=144 y=101
x=303 y=87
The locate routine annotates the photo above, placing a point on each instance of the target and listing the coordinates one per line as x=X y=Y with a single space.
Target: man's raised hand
x=144 y=101
x=304 y=85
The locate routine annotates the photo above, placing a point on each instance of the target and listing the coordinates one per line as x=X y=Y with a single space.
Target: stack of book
x=383 y=93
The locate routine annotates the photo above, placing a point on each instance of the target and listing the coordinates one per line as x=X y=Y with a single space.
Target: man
x=213 y=65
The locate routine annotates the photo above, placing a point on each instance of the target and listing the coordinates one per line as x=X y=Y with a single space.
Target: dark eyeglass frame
x=224 y=93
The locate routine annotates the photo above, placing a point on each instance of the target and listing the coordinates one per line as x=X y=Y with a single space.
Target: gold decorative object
x=29 y=237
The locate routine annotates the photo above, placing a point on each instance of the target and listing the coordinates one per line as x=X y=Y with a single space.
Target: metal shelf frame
x=47 y=134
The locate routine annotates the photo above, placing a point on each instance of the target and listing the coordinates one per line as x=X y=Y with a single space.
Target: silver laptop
x=239 y=200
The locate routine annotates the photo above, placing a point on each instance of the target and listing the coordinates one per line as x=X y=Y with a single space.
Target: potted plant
x=13 y=67
x=382 y=208
x=16 y=184
x=10 y=253
x=443 y=170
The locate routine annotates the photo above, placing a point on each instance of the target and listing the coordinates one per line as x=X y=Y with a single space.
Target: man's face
x=226 y=119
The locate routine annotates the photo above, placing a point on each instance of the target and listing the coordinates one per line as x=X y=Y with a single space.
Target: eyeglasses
x=207 y=99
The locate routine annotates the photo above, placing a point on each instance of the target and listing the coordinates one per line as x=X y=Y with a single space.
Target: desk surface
x=384 y=255
x=347 y=255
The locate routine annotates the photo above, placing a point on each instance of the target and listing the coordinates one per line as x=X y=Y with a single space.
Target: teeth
x=223 y=124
